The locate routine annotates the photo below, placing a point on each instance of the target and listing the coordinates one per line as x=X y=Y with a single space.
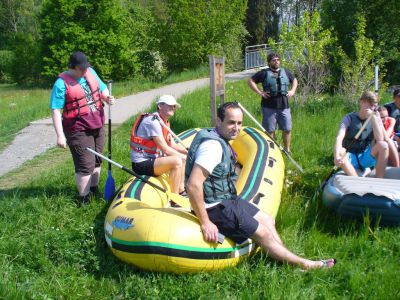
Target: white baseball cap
x=168 y=99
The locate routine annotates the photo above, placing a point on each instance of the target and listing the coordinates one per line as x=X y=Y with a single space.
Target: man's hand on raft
x=210 y=232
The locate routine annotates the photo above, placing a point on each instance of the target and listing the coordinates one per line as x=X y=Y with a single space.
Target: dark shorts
x=235 y=219
x=144 y=167
x=273 y=116
x=85 y=162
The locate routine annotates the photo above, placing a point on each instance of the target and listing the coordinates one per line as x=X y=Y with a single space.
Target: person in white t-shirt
x=153 y=151
x=210 y=182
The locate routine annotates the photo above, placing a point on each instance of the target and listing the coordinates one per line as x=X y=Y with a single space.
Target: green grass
x=20 y=106
x=50 y=249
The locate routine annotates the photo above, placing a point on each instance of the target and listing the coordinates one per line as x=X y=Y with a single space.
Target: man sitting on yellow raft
x=210 y=177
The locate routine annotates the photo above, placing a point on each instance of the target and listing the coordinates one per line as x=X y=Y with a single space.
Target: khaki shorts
x=85 y=162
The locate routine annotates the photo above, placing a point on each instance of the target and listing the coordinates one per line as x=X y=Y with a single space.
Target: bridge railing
x=256 y=56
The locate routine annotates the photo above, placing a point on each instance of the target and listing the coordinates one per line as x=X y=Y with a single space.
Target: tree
x=262 y=21
x=192 y=30
x=19 y=33
x=358 y=72
x=304 y=50
x=382 y=27
x=101 y=29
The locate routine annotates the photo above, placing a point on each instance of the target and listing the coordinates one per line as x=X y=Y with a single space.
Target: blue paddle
x=109 y=188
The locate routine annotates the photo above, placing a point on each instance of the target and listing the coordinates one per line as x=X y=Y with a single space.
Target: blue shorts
x=235 y=219
x=271 y=116
x=365 y=158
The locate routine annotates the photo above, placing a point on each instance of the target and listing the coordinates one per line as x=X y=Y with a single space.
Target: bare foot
x=315 y=264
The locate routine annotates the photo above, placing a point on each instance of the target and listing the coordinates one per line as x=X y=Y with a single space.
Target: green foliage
x=382 y=27
x=262 y=21
x=101 y=29
x=6 y=57
x=304 y=50
x=27 y=60
x=192 y=30
x=358 y=71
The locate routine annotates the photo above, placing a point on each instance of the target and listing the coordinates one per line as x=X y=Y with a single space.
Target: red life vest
x=76 y=102
x=140 y=144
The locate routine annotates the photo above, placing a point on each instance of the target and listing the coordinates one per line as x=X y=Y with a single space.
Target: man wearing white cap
x=153 y=151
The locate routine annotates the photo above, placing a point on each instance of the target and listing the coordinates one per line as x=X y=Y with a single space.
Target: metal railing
x=256 y=56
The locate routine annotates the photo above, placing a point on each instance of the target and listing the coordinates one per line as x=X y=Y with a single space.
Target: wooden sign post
x=217 y=85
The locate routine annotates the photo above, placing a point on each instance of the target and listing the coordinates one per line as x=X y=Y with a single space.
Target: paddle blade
x=109 y=188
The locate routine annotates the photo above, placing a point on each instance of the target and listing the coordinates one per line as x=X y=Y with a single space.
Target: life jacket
x=365 y=138
x=220 y=184
x=386 y=125
x=394 y=112
x=140 y=144
x=276 y=83
x=77 y=103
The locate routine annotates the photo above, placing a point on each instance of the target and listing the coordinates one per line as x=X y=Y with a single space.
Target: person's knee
x=176 y=162
x=263 y=234
x=382 y=146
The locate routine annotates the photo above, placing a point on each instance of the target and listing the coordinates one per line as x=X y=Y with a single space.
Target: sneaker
x=95 y=192
x=84 y=200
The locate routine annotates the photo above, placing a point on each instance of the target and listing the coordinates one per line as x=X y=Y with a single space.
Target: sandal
x=183 y=193
x=328 y=263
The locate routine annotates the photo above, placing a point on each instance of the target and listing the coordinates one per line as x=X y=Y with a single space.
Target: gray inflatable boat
x=357 y=197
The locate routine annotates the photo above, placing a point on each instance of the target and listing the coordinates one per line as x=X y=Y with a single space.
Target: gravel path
x=39 y=136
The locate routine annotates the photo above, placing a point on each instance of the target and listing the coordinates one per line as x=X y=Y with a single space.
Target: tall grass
x=50 y=249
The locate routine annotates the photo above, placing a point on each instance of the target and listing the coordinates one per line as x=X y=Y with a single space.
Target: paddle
x=109 y=188
x=171 y=132
x=172 y=196
x=335 y=168
x=266 y=132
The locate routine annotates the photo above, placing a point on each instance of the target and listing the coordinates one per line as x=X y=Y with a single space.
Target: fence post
x=217 y=84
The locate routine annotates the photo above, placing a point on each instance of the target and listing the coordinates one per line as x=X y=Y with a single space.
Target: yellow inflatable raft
x=142 y=229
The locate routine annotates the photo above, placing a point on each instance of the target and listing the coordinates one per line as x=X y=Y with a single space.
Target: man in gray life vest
x=210 y=182
x=275 y=97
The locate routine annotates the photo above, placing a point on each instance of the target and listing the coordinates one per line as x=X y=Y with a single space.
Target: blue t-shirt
x=57 y=97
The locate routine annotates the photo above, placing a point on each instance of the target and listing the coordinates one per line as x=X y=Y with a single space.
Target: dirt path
x=39 y=136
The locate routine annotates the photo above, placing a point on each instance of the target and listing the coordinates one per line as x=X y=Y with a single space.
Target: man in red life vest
x=153 y=150
x=79 y=93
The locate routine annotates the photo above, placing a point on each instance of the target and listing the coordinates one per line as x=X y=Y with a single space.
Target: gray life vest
x=220 y=184
x=276 y=83
x=365 y=138
x=394 y=112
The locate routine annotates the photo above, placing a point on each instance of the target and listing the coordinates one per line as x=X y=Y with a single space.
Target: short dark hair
x=221 y=111
x=271 y=56
x=396 y=93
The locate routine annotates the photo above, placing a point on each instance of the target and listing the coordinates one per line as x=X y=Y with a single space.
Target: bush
x=6 y=58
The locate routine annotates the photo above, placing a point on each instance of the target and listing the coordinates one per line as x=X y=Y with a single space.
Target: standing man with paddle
x=79 y=93
x=275 y=97
x=369 y=148
x=153 y=151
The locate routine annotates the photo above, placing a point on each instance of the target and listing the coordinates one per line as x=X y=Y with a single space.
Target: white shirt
x=209 y=155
